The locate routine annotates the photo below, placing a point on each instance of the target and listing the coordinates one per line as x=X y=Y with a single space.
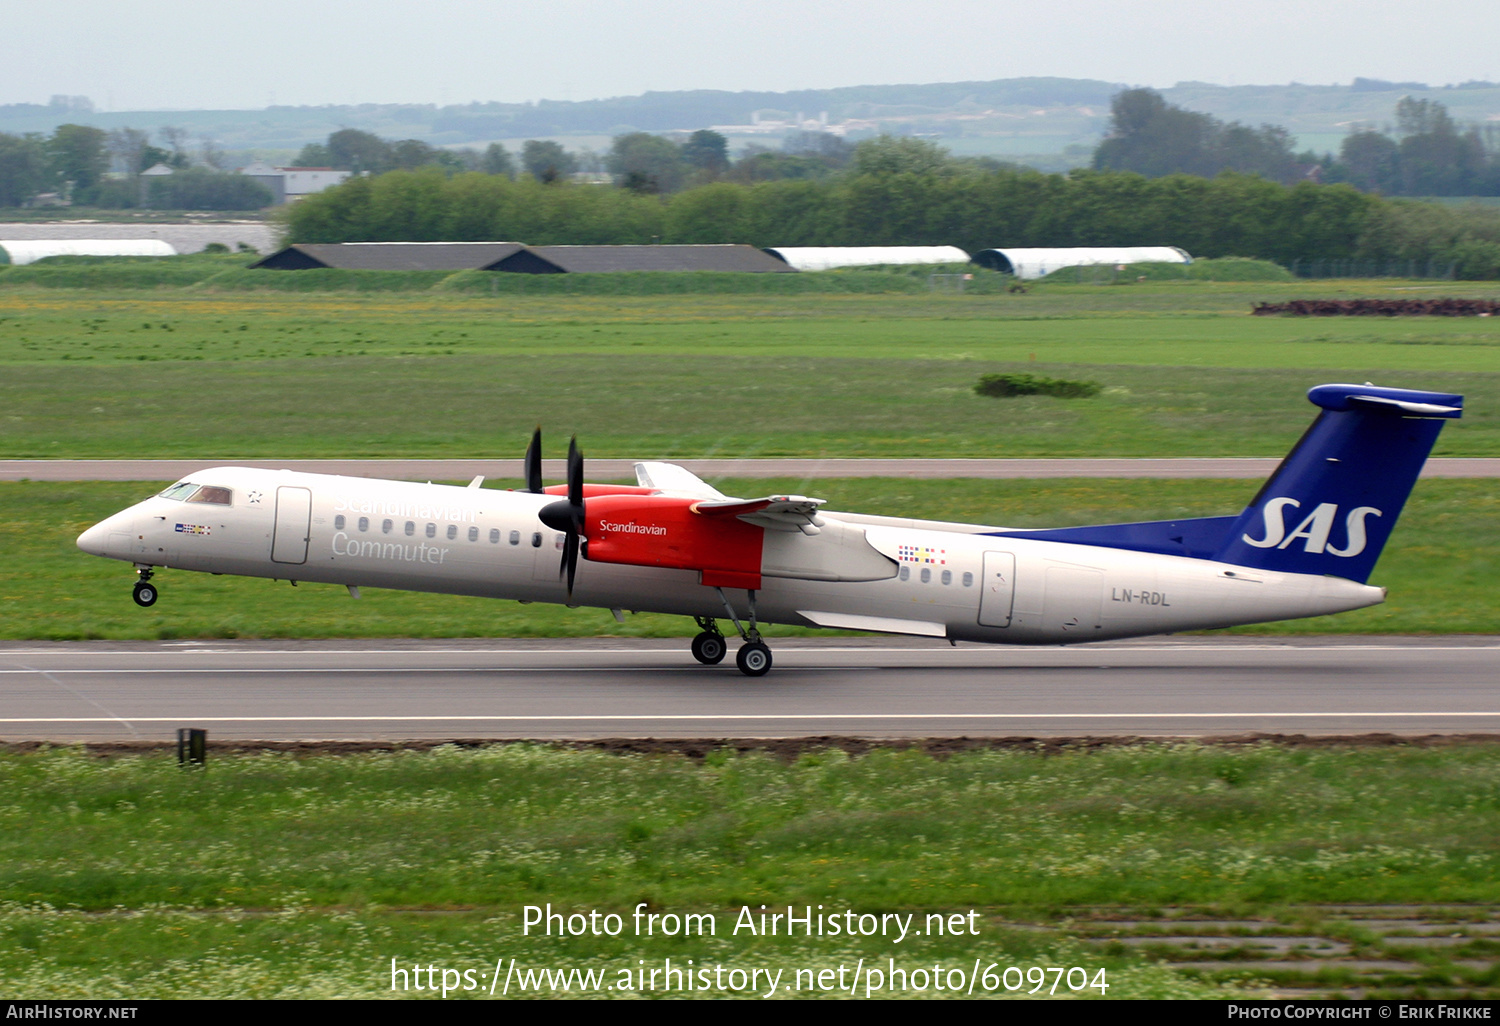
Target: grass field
x=1442 y=565
x=275 y=876
x=1185 y=371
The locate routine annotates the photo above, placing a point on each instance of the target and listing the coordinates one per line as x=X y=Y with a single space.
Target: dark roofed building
x=391 y=256
x=519 y=259
x=595 y=259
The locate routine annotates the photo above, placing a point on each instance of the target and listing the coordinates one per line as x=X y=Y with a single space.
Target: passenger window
x=515 y=537
x=432 y=530
x=452 y=531
x=364 y=523
x=926 y=575
x=411 y=528
x=536 y=539
x=947 y=576
x=213 y=494
x=338 y=522
x=385 y=527
x=494 y=536
x=473 y=534
x=905 y=573
x=968 y=579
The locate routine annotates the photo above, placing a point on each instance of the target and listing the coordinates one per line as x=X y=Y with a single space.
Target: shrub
x=1476 y=260
x=1006 y=385
x=1221 y=269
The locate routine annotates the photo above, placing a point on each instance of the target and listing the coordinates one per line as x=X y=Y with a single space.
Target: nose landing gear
x=144 y=592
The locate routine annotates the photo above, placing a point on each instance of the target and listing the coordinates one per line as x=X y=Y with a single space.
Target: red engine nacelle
x=659 y=530
x=590 y=490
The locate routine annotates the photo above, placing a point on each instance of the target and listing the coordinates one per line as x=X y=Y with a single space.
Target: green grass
x=275 y=876
x=1185 y=370
x=1442 y=565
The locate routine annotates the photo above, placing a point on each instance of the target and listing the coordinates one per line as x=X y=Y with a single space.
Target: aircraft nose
x=93 y=540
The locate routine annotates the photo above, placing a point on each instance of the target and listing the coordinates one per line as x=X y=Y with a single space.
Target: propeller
x=534 y=463
x=566 y=515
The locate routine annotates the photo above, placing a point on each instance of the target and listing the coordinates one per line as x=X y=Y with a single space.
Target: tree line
x=75 y=161
x=908 y=192
x=1151 y=187
x=1426 y=154
x=637 y=161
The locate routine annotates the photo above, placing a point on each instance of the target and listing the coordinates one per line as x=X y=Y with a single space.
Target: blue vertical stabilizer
x=1331 y=505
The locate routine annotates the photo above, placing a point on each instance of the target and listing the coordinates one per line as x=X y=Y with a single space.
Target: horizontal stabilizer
x=1410 y=401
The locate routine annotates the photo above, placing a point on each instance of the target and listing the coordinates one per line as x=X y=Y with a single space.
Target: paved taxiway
x=601 y=470
x=875 y=687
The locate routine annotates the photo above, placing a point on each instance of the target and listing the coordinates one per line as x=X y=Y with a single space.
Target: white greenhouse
x=1038 y=263
x=826 y=258
x=26 y=251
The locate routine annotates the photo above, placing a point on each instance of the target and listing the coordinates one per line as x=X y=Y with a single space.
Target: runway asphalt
x=554 y=470
x=875 y=687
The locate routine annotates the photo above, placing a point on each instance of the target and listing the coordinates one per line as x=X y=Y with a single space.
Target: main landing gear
x=144 y=592
x=709 y=647
x=753 y=658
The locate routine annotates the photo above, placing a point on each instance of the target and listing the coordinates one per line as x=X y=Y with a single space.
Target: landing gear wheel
x=144 y=594
x=709 y=648
x=753 y=659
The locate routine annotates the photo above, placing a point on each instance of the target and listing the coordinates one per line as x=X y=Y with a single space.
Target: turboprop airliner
x=1304 y=546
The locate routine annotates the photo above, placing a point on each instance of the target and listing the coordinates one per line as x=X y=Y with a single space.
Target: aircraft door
x=293 y=525
x=1073 y=601
x=998 y=589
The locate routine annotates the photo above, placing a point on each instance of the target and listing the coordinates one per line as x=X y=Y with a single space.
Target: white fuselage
x=942 y=580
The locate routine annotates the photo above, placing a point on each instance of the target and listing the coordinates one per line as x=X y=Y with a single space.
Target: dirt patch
x=1443 y=307
x=786 y=749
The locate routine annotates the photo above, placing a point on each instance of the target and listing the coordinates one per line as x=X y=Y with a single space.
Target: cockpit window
x=213 y=494
x=181 y=490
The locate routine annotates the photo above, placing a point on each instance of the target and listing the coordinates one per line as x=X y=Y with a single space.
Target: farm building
x=391 y=256
x=1038 y=263
x=516 y=258
x=596 y=259
x=288 y=184
x=25 y=251
x=826 y=258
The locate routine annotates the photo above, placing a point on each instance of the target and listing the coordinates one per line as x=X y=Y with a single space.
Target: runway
x=608 y=470
x=875 y=687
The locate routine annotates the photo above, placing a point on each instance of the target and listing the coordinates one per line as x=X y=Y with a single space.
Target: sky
x=195 y=54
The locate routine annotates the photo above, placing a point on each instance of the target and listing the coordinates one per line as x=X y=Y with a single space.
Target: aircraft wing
x=774 y=512
x=670 y=479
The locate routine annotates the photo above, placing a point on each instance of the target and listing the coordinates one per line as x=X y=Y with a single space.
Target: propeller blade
x=534 y=463
x=567 y=516
x=570 y=559
x=575 y=477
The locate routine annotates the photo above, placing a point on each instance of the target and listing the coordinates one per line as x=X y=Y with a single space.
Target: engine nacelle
x=660 y=530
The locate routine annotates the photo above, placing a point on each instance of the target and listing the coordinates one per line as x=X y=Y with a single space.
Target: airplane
x=1304 y=546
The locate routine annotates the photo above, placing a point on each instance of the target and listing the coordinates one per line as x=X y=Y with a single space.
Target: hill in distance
x=1052 y=123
